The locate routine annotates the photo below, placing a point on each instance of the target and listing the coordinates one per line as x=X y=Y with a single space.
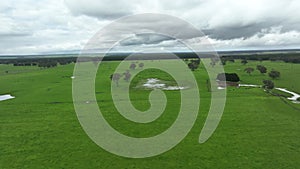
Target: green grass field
x=39 y=128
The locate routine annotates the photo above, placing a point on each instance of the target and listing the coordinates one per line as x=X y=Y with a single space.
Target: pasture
x=39 y=128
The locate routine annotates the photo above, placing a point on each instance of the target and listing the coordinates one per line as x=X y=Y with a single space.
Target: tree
x=95 y=60
x=208 y=85
x=48 y=64
x=141 y=65
x=127 y=76
x=196 y=61
x=115 y=77
x=132 y=66
x=249 y=70
x=244 y=61
x=274 y=74
x=268 y=84
x=213 y=61
x=231 y=60
x=223 y=61
x=262 y=69
x=228 y=58
x=193 y=66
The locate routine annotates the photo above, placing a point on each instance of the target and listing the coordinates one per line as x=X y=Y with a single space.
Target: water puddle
x=6 y=97
x=154 y=83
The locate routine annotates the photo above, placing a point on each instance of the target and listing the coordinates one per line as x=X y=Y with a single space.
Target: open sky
x=58 y=26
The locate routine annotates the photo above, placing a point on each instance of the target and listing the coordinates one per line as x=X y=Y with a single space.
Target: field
x=40 y=129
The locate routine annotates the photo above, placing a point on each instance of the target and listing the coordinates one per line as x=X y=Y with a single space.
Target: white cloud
x=29 y=26
x=104 y=9
x=43 y=26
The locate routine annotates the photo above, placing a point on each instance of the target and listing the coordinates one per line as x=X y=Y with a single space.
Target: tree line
x=40 y=62
x=286 y=57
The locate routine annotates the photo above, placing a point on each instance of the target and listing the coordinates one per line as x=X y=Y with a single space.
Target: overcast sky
x=49 y=26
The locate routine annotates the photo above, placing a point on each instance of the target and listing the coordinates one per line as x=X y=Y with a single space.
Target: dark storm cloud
x=291 y=27
x=148 y=38
x=232 y=32
x=240 y=31
x=147 y=30
x=156 y=23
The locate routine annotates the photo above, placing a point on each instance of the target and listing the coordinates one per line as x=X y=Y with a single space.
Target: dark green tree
x=115 y=78
x=249 y=70
x=141 y=65
x=244 y=61
x=274 y=74
x=223 y=61
x=268 y=84
x=196 y=61
x=193 y=66
x=132 y=66
x=261 y=69
x=127 y=76
x=214 y=61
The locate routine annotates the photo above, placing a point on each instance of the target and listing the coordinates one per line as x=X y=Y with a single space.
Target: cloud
x=226 y=20
x=242 y=19
x=29 y=26
x=271 y=38
x=102 y=9
x=232 y=32
x=149 y=38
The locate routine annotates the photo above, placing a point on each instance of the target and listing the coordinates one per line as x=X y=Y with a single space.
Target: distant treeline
x=286 y=57
x=40 y=62
x=54 y=61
